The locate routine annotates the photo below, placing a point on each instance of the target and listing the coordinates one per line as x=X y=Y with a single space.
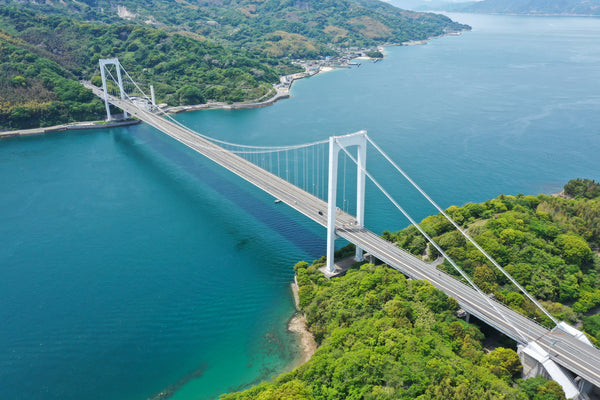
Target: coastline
x=311 y=68
x=282 y=91
x=280 y=94
x=297 y=325
x=67 y=127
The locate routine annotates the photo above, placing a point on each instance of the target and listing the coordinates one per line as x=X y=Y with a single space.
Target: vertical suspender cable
x=313 y=180
x=306 y=169
x=318 y=173
x=324 y=173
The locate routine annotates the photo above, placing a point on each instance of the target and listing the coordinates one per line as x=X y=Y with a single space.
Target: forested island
x=193 y=53
x=382 y=336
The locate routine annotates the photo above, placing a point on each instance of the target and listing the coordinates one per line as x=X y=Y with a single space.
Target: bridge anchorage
x=296 y=176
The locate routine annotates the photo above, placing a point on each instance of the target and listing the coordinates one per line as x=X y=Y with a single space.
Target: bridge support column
x=536 y=361
x=103 y=64
x=360 y=189
x=336 y=143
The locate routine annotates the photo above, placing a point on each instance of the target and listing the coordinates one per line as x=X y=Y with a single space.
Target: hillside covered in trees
x=290 y=28
x=382 y=336
x=43 y=57
x=549 y=244
x=193 y=52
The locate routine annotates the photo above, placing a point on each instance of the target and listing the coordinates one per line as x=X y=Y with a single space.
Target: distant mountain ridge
x=536 y=7
x=290 y=28
x=429 y=5
x=526 y=7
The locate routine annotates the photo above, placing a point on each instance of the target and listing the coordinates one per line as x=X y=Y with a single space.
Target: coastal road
x=578 y=357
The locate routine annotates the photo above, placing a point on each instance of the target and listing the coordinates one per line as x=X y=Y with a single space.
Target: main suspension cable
x=255 y=149
x=465 y=234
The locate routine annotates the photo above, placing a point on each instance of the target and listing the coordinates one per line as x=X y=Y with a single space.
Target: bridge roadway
x=578 y=357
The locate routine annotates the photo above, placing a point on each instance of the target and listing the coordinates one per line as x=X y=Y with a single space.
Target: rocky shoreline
x=297 y=325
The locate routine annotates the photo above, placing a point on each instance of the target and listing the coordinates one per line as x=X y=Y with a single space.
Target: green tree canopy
x=382 y=336
x=544 y=242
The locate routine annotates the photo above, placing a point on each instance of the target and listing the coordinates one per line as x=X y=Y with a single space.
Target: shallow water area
x=124 y=272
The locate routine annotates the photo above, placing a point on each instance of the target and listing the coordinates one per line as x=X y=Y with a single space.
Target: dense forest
x=549 y=244
x=42 y=58
x=223 y=51
x=382 y=336
x=290 y=28
x=36 y=91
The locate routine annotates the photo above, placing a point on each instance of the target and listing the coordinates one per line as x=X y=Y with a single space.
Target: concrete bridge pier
x=536 y=361
x=464 y=315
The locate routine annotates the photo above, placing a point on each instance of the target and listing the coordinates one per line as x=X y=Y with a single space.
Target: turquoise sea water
x=131 y=267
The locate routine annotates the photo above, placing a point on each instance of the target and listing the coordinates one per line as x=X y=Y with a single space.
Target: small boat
x=277 y=201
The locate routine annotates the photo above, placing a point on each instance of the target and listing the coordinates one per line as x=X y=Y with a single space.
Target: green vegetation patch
x=549 y=244
x=36 y=91
x=582 y=188
x=382 y=336
x=45 y=56
x=249 y=24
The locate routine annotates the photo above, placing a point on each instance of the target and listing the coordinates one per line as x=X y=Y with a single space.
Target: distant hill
x=193 y=51
x=528 y=7
x=536 y=7
x=42 y=58
x=290 y=28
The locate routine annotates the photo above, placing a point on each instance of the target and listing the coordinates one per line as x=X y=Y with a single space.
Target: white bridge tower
x=337 y=143
x=103 y=64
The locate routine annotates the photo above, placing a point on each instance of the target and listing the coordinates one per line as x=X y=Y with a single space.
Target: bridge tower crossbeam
x=337 y=143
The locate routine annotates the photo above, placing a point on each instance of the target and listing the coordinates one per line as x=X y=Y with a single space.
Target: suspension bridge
x=305 y=178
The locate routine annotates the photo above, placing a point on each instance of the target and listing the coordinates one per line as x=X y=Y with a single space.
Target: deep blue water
x=130 y=266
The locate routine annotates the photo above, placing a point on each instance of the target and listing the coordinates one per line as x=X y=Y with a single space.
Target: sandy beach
x=297 y=325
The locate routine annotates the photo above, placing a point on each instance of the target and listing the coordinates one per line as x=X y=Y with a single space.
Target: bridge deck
x=564 y=349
